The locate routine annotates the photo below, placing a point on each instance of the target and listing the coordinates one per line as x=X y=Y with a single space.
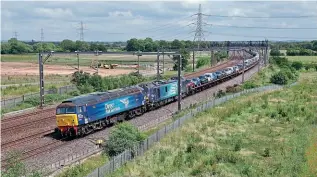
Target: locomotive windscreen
x=66 y=110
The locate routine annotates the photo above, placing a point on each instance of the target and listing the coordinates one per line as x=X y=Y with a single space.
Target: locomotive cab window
x=66 y=110
x=166 y=89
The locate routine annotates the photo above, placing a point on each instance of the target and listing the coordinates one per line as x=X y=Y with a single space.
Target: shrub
x=87 y=83
x=202 y=61
x=74 y=93
x=123 y=136
x=85 y=88
x=53 y=89
x=279 y=78
x=233 y=89
x=249 y=85
x=275 y=52
x=266 y=152
x=281 y=61
x=297 y=65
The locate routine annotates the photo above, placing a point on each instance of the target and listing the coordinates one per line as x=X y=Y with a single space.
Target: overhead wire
x=240 y=16
x=169 y=25
x=255 y=36
x=259 y=27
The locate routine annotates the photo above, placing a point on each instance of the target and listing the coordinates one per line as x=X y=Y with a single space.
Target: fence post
x=113 y=164
x=165 y=130
x=23 y=97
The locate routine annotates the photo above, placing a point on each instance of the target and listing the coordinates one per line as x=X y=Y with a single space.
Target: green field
x=263 y=134
x=304 y=59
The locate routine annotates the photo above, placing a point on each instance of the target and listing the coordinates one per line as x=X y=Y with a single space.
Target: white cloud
x=120 y=14
x=168 y=18
x=54 y=12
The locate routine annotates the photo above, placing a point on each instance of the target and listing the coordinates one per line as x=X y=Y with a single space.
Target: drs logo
x=109 y=108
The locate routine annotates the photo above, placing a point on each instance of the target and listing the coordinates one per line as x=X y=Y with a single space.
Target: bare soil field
x=21 y=68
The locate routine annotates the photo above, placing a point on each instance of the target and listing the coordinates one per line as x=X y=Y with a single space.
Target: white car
x=246 y=63
x=209 y=76
x=228 y=70
x=235 y=68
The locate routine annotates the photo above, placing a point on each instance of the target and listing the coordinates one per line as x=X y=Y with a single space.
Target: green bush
x=123 y=136
x=249 y=85
x=74 y=93
x=202 y=61
x=297 y=65
x=275 y=52
x=87 y=83
x=281 y=61
x=279 y=78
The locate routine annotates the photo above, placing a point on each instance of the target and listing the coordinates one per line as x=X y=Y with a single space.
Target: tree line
x=295 y=49
x=311 y=45
x=14 y=46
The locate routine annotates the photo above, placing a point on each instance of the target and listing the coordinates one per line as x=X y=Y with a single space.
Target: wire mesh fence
x=12 y=102
x=129 y=154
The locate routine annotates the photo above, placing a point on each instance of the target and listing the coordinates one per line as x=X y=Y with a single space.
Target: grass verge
x=6 y=80
x=15 y=91
x=86 y=167
x=265 y=134
x=50 y=99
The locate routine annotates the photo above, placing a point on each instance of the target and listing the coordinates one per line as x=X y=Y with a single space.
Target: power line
x=239 y=16
x=261 y=27
x=276 y=37
x=170 y=23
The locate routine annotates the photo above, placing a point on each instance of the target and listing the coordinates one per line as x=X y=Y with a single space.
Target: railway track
x=57 y=143
x=9 y=144
x=19 y=126
x=36 y=151
x=21 y=116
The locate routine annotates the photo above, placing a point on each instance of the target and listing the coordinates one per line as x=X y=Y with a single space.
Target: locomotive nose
x=66 y=120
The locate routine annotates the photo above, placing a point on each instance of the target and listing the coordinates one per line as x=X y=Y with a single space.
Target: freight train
x=84 y=114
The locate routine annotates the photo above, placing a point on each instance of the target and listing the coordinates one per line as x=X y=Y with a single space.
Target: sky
x=166 y=20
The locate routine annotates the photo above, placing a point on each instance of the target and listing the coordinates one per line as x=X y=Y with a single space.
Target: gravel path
x=85 y=143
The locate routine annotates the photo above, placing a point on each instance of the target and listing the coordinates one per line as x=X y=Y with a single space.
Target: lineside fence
x=12 y=102
x=119 y=160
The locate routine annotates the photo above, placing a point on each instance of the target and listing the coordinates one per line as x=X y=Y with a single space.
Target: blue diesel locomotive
x=83 y=114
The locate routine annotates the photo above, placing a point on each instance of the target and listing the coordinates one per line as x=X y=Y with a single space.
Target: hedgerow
x=87 y=83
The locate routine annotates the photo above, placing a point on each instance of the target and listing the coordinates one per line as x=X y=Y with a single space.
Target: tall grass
x=14 y=91
x=266 y=134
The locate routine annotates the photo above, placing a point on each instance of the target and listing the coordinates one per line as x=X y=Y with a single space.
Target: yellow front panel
x=66 y=120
